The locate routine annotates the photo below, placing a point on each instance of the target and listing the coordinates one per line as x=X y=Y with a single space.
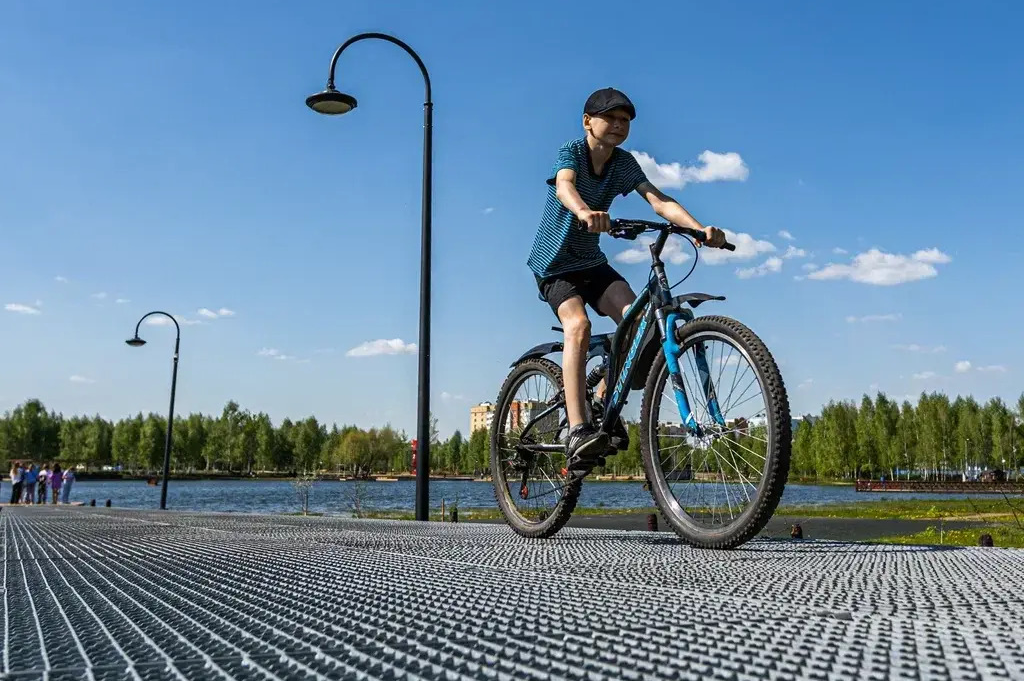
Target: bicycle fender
x=693 y=299
x=539 y=351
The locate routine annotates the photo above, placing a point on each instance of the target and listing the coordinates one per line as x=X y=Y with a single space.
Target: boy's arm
x=668 y=208
x=565 y=190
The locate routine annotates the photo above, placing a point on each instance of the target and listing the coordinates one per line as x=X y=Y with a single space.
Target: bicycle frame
x=654 y=303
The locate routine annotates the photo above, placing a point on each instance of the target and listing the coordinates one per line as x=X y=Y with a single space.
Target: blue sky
x=162 y=155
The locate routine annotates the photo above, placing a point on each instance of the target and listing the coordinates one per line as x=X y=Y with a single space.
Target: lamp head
x=331 y=102
x=135 y=342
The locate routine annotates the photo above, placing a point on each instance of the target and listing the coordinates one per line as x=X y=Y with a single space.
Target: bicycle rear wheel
x=717 y=488
x=531 y=486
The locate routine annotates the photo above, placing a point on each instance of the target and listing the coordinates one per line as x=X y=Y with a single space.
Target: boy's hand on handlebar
x=713 y=237
x=595 y=220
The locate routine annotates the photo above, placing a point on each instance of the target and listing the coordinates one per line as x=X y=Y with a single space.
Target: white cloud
x=885 y=269
x=932 y=256
x=713 y=167
x=274 y=353
x=924 y=375
x=210 y=314
x=914 y=347
x=676 y=251
x=840 y=251
x=81 y=379
x=394 y=346
x=786 y=235
x=808 y=267
x=449 y=397
x=60 y=279
x=122 y=301
x=160 y=320
x=323 y=351
x=747 y=248
x=794 y=252
x=962 y=367
x=770 y=266
x=98 y=296
x=804 y=385
x=993 y=368
x=488 y=210
x=875 y=318
x=21 y=309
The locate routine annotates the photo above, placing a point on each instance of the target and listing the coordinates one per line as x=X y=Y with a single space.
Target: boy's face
x=610 y=127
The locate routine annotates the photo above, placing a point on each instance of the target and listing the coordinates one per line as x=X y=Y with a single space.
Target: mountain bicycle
x=715 y=446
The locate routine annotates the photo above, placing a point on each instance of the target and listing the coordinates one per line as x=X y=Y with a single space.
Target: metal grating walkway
x=110 y=594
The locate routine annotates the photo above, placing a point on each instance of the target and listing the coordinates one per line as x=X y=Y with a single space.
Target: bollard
x=985 y=540
x=442 y=510
x=797 y=532
x=108 y=503
x=652 y=522
x=455 y=514
x=92 y=502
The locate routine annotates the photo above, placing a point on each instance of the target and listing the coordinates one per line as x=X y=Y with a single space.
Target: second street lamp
x=137 y=342
x=331 y=102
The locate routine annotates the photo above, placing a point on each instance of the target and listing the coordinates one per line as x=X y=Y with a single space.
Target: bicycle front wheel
x=716 y=487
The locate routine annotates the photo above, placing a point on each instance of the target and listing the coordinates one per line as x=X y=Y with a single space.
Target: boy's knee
x=577 y=329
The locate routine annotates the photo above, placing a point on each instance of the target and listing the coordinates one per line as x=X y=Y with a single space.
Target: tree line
x=934 y=438
x=236 y=442
x=877 y=437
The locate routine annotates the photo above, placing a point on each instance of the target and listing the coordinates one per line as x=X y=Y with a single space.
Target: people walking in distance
x=69 y=480
x=56 y=480
x=29 y=480
x=16 y=482
x=44 y=479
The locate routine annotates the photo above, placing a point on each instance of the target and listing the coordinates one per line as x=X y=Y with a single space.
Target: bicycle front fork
x=673 y=351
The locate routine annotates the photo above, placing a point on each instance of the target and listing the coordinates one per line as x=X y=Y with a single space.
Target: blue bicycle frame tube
x=708 y=386
x=670 y=346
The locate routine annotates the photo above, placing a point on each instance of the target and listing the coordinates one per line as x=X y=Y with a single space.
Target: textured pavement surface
x=114 y=594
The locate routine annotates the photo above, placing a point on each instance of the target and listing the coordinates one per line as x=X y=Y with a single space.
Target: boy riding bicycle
x=567 y=261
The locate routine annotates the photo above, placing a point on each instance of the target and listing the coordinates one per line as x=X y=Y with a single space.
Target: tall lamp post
x=136 y=342
x=332 y=102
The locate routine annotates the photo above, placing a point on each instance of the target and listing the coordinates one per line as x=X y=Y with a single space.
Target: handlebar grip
x=728 y=246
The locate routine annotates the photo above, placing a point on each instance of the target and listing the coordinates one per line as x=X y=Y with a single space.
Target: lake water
x=337 y=497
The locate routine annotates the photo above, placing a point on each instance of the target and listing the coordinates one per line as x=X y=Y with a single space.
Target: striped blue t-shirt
x=562 y=243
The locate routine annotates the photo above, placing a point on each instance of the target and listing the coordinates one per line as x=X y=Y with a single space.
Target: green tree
x=803 y=461
x=886 y=425
x=125 y=442
x=454 y=453
x=866 y=457
x=309 y=437
x=906 y=438
x=266 y=443
x=478 y=459
x=150 y=452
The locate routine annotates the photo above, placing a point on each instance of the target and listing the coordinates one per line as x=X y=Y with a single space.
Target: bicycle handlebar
x=631 y=229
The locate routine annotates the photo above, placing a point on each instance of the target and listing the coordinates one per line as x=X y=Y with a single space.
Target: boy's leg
x=576 y=326
x=565 y=297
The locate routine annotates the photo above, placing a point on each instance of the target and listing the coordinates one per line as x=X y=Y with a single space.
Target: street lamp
x=137 y=342
x=332 y=102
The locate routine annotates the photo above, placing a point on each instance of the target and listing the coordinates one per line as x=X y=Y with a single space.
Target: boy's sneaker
x=584 y=447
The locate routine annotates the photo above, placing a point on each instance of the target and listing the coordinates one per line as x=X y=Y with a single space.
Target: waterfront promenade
x=116 y=594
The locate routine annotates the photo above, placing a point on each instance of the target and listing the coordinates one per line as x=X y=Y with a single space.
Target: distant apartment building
x=481 y=416
x=520 y=413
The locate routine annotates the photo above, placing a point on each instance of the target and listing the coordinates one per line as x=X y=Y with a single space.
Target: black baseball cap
x=606 y=99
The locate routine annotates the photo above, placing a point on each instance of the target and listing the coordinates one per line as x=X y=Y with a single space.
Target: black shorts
x=589 y=284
